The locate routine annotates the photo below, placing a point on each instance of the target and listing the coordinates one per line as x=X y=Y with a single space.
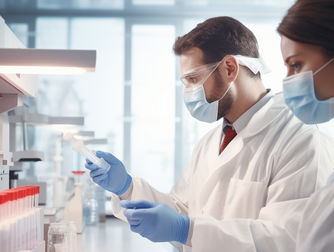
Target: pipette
x=79 y=146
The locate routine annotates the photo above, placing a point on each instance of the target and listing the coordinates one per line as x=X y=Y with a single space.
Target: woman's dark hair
x=310 y=22
x=218 y=37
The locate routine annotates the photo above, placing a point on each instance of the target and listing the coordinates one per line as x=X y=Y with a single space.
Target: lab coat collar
x=244 y=119
x=270 y=112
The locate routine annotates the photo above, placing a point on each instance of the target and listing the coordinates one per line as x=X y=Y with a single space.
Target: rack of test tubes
x=21 y=221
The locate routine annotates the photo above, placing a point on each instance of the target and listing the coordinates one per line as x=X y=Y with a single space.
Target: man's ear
x=231 y=67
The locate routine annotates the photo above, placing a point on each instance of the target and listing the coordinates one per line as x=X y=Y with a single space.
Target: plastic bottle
x=73 y=236
x=58 y=237
x=101 y=202
x=90 y=205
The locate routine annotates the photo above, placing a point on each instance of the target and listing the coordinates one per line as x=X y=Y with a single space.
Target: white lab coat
x=316 y=231
x=250 y=197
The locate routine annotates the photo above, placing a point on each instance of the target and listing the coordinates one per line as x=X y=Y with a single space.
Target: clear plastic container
x=79 y=146
x=90 y=205
x=101 y=202
x=58 y=237
x=73 y=236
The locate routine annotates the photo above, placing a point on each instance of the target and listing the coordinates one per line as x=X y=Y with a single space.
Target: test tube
x=19 y=201
x=20 y=219
x=79 y=146
x=36 y=196
x=3 y=203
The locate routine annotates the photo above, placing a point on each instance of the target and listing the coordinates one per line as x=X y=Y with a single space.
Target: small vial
x=79 y=146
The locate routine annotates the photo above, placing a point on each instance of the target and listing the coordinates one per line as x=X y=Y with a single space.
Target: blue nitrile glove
x=115 y=179
x=156 y=221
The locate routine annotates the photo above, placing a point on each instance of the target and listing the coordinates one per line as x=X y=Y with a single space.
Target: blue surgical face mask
x=300 y=97
x=199 y=107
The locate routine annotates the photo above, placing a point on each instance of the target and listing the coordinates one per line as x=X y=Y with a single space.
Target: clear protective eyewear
x=197 y=75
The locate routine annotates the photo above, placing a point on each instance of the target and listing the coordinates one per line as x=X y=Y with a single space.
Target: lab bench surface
x=115 y=235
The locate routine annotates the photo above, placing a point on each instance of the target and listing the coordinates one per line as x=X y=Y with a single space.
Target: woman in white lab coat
x=307 y=45
x=247 y=196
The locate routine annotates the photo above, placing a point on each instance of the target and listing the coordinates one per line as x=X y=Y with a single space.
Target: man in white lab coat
x=249 y=178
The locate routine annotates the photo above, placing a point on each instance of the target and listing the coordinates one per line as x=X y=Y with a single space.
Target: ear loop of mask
x=228 y=89
x=317 y=71
x=326 y=64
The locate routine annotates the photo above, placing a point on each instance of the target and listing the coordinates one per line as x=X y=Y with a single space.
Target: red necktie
x=229 y=135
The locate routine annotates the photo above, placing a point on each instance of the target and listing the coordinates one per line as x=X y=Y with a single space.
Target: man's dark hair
x=218 y=37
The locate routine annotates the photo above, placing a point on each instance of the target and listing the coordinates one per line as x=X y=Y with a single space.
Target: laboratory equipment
x=21 y=225
x=57 y=238
x=90 y=205
x=46 y=61
x=74 y=209
x=73 y=236
x=62 y=237
x=79 y=146
x=101 y=203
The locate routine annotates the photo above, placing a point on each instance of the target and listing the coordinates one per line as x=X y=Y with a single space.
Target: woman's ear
x=231 y=67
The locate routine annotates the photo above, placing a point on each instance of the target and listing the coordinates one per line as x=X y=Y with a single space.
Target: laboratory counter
x=115 y=235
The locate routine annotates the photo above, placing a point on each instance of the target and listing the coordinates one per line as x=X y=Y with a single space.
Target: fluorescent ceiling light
x=46 y=61
x=41 y=70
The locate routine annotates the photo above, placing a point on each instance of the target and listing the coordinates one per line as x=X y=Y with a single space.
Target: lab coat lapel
x=231 y=150
x=259 y=121
x=219 y=171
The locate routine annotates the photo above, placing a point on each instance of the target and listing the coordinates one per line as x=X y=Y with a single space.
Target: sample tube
x=79 y=146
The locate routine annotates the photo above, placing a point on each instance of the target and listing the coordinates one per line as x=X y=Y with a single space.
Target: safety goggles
x=199 y=75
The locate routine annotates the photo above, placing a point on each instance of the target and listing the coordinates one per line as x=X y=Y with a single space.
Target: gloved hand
x=156 y=221
x=116 y=179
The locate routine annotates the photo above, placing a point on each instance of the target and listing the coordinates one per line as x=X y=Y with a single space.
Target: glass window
x=80 y=4
x=153 y=104
x=153 y=2
x=269 y=46
x=52 y=33
x=101 y=92
x=21 y=31
x=96 y=96
x=197 y=2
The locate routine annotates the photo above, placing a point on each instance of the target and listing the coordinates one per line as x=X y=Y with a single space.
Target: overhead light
x=46 y=61
x=41 y=70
